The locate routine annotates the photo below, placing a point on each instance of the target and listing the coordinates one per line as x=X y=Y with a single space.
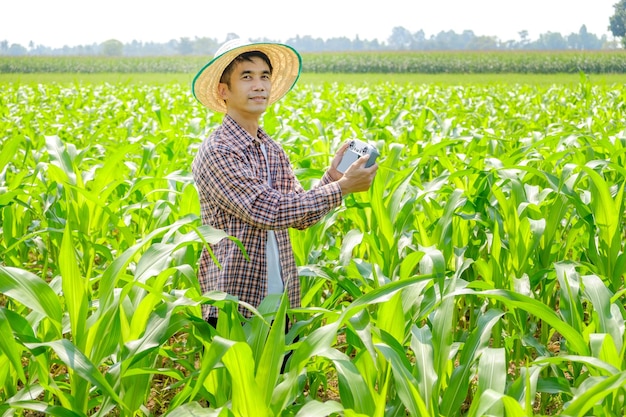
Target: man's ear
x=222 y=90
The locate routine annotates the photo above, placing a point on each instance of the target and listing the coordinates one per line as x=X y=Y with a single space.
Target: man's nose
x=258 y=85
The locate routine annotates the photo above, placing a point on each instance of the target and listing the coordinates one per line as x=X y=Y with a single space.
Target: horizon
x=385 y=41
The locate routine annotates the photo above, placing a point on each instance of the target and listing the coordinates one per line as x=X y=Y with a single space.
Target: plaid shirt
x=232 y=181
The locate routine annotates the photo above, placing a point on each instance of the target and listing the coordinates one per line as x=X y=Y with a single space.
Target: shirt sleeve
x=326 y=179
x=228 y=179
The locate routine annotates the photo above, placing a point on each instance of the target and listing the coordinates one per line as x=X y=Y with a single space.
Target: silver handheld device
x=355 y=150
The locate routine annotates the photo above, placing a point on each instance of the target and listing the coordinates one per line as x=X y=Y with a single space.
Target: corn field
x=384 y=62
x=482 y=275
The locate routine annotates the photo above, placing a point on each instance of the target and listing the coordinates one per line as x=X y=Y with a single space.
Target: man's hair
x=246 y=56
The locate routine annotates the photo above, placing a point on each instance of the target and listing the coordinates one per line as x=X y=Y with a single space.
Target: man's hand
x=357 y=178
x=333 y=171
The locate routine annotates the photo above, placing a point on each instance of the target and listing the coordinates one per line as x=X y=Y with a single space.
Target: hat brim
x=286 y=66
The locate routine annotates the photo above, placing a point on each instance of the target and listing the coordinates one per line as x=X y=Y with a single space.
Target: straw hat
x=286 y=65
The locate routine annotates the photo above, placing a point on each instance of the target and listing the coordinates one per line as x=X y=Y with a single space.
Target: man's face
x=250 y=87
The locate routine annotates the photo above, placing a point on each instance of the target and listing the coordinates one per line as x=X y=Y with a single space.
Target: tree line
x=401 y=39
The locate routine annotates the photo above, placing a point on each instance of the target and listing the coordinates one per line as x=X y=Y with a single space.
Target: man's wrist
x=334 y=174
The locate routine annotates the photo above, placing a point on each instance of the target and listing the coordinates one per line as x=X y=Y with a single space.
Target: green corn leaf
x=75 y=360
x=31 y=291
x=570 y=303
x=315 y=343
x=354 y=391
x=524 y=388
x=442 y=324
x=361 y=324
x=603 y=348
x=492 y=370
x=586 y=400
x=74 y=289
x=605 y=314
x=117 y=268
x=381 y=294
x=9 y=150
x=483 y=402
x=513 y=408
x=459 y=381
x=350 y=241
x=161 y=325
x=45 y=408
x=607 y=221
x=443 y=230
x=382 y=216
x=409 y=264
x=104 y=322
x=286 y=392
x=405 y=382
x=316 y=408
x=211 y=358
x=594 y=364
x=576 y=341
x=194 y=409
x=61 y=157
x=153 y=261
x=391 y=317
x=247 y=399
x=492 y=375
x=268 y=368
x=9 y=346
x=376 y=374
x=423 y=349
x=604 y=208
x=24 y=395
x=490 y=400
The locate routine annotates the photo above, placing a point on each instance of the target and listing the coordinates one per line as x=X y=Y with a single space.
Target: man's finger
x=343 y=147
x=363 y=159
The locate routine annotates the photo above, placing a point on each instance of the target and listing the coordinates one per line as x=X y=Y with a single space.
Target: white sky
x=56 y=23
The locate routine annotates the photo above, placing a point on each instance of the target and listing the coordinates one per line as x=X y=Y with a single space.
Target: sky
x=56 y=23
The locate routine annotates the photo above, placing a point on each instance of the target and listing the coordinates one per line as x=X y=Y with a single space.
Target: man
x=245 y=181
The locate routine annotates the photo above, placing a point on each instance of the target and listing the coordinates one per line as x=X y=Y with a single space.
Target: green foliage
x=112 y=47
x=617 y=22
x=483 y=273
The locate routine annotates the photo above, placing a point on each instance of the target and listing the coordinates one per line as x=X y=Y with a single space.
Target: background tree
x=205 y=46
x=112 y=47
x=589 y=40
x=17 y=49
x=618 y=21
x=419 y=39
x=483 y=43
x=306 y=43
x=551 y=41
x=400 y=38
x=340 y=44
x=185 y=46
x=523 y=35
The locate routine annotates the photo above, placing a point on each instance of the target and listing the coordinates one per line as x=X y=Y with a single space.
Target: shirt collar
x=243 y=138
